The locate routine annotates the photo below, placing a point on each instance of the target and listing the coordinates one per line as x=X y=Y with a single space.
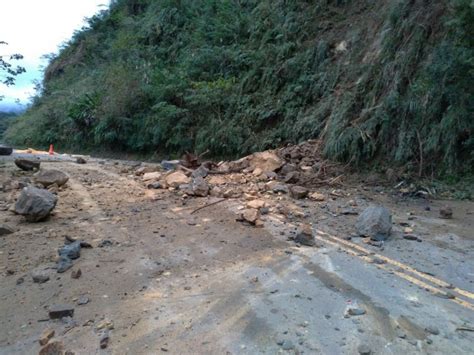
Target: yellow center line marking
x=432 y=279
x=399 y=274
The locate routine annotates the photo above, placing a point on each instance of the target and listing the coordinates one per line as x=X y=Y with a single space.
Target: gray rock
x=154 y=185
x=81 y=160
x=35 y=204
x=202 y=171
x=27 y=164
x=375 y=222
x=82 y=300
x=287 y=345
x=50 y=177
x=6 y=229
x=200 y=187
x=364 y=349
x=71 y=251
x=305 y=237
x=280 y=188
x=40 y=276
x=59 y=311
x=170 y=164
x=64 y=264
x=432 y=330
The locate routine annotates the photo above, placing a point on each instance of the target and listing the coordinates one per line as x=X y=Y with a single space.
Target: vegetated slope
x=375 y=79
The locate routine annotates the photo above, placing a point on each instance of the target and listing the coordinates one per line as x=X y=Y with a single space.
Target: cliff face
x=378 y=81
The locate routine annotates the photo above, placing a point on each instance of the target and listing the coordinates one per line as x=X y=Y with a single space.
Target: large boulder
x=35 y=204
x=266 y=161
x=27 y=164
x=5 y=150
x=50 y=177
x=375 y=222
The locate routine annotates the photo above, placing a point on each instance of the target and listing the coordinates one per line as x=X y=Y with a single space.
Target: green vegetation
x=378 y=81
x=5 y=120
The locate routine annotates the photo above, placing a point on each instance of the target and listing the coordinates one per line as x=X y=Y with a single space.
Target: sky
x=34 y=28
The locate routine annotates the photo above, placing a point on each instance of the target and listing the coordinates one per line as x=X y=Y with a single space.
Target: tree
x=8 y=71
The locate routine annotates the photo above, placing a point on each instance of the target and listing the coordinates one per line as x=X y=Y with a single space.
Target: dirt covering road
x=164 y=277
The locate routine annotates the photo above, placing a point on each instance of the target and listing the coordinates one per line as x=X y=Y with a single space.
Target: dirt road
x=169 y=281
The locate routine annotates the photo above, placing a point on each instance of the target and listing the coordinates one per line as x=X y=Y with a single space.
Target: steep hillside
x=380 y=81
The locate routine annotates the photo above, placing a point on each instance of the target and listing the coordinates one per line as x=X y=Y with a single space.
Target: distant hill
x=5 y=120
x=382 y=83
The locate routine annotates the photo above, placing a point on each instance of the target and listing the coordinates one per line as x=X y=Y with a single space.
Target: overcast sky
x=37 y=27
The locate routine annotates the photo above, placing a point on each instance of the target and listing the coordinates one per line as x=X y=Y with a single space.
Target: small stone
x=202 y=171
x=354 y=310
x=6 y=229
x=105 y=243
x=105 y=324
x=432 y=330
x=410 y=237
x=154 y=185
x=298 y=192
x=81 y=160
x=363 y=349
x=287 y=345
x=446 y=212
x=200 y=187
x=59 y=311
x=45 y=336
x=177 y=178
x=75 y=274
x=53 y=348
x=316 y=196
x=104 y=340
x=256 y=204
x=20 y=280
x=40 y=276
x=250 y=215
x=280 y=188
x=82 y=300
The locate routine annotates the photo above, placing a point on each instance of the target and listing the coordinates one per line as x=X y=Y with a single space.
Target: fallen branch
x=207 y=205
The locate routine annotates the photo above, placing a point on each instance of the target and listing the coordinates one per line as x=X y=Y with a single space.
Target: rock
x=432 y=330
x=6 y=229
x=75 y=274
x=266 y=161
x=354 y=310
x=27 y=164
x=363 y=349
x=54 y=188
x=177 y=178
x=104 y=340
x=45 y=336
x=105 y=324
x=375 y=222
x=59 y=311
x=154 y=185
x=81 y=160
x=298 y=192
x=170 y=164
x=200 y=187
x=446 y=212
x=287 y=345
x=287 y=168
x=256 y=204
x=257 y=172
x=410 y=237
x=202 y=171
x=52 y=176
x=250 y=215
x=82 y=300
x=316 y=196
x=105 y=243
x=40 y=276
x=152 y=176
x=280 y=188
x=64 y=264
x=71 y=251
x=292 y=178
x=305 y=236
x=35 y=204
x=4 y=150
x=53 y=348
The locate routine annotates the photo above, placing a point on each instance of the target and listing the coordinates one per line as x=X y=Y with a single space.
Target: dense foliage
x=376 y=80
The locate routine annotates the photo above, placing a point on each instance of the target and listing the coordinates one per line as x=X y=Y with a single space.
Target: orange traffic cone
x=51 y=150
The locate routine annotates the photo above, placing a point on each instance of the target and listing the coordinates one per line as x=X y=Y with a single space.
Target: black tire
x=5 y=150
